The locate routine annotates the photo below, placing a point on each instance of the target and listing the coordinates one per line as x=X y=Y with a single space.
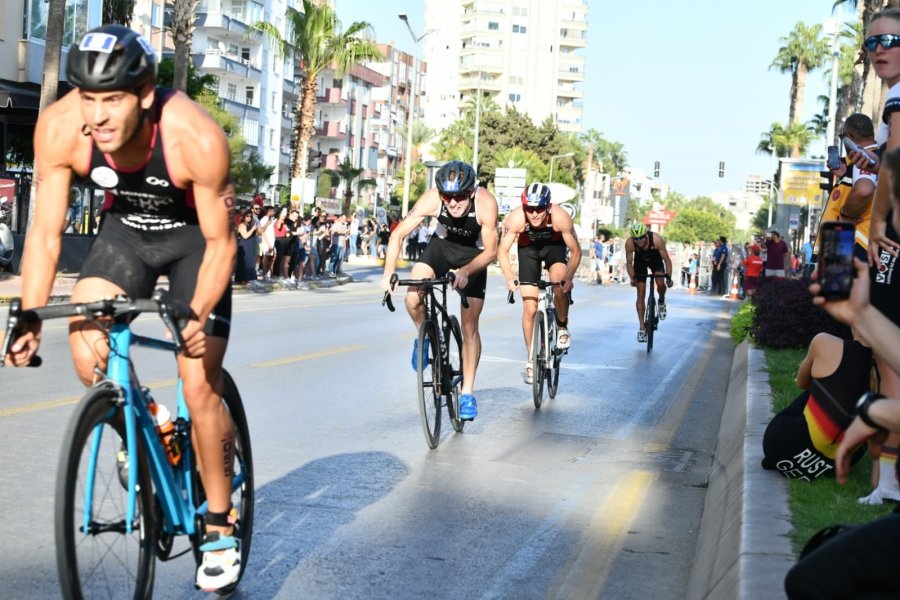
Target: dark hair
x=892 y=161
x=859 y=124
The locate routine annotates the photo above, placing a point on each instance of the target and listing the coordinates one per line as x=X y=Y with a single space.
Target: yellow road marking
x=586 y=573
x=292 y=359
x=50 y=404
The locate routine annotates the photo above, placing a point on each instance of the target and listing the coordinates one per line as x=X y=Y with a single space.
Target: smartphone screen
x=836 y=270
x=834 y=158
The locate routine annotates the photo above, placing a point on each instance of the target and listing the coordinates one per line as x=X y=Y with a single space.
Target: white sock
x=888 y=488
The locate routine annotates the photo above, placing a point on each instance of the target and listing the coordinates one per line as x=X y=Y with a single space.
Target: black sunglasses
x=459 y=197
x=534 y=209
x=887 y=41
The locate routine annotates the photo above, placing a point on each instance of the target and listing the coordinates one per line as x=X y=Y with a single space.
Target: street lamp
x=477 y=124
x=552 y=158
x=833 y=27
x=409 y=117
x=772 y=186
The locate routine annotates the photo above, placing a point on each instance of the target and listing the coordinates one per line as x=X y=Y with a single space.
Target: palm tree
x=118 y=11
x=803 y=51
x=314 y=38
x=421 y=133
x=782 y=141
x=184 y=15
x=347 y=173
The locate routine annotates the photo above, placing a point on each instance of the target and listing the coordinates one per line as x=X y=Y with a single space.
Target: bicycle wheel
x=555 y=356
x=649 y=322
x=242 y=495
x=102 y=560
x=538 y=350
x=429 y=376
x=454 y=373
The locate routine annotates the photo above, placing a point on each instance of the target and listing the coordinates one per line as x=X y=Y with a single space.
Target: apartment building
x=522 y=53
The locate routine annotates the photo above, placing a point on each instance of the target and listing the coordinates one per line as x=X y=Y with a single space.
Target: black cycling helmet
x=456 y=178
x=536 y=195
x=111 y=58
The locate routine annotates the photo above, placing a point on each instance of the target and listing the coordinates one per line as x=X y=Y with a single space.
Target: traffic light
x=721 y=168
x=656 y=169
x=828 y=184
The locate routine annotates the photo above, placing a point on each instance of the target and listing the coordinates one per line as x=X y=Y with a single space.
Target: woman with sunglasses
x=542 y=233
x=465 y=239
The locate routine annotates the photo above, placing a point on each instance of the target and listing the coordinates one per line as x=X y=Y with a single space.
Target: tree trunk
x=348 y=198
x=184 y=13
x=306 y=116
x=798 y=85
x=56 y=13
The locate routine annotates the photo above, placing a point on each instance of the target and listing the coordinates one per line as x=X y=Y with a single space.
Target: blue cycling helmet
x=536 y=195
x=455 y=178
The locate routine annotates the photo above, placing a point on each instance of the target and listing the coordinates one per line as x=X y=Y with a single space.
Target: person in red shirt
x=753 y=266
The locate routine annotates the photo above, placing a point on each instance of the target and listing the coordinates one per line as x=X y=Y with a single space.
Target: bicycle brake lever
x=165 y=314
x=387 y=301
x=12 y=323
x=511 y=298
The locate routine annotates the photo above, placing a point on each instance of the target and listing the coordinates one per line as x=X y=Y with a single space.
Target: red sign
x=659 y=217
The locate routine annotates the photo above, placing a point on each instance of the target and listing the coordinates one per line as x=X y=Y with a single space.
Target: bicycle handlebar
x=510 y=298
x=173 y=314
x=449 y=278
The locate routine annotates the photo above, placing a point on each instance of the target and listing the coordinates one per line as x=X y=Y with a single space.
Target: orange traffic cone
x=734 y=288
x=692 y=288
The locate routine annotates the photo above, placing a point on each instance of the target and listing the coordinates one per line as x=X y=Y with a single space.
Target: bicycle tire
x=242 y=498
x=91 y=565
x=555 y=356
x=538 y=350
x=454 y=369
x=429 y=379
x=649 y=322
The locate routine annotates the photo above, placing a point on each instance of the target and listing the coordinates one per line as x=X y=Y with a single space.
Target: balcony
x=572 y=38
x=567 y=74
x=332 y=96
x=331 y=161
x=290 y=88
x=287 y=123
x=489 y=84
x=242 y=110
x=225 y=26
x=332 y=129
x=220 y=63
x=568 y=92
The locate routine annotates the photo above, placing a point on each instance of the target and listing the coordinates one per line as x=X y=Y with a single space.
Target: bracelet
x=862 y=409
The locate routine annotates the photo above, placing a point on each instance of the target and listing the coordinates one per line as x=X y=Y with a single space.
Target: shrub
x=785 y=316
x=742 y=322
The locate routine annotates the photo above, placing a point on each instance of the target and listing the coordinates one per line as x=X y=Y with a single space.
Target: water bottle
x=166 y=429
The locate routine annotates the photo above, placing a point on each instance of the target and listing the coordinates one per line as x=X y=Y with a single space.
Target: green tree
x=197 y=82
x=782 y=141
x=227 y=121
x=250 y=175
x=348 y=174
x=183 y=24
x=314 y=39
x=535 y=169
x=802 y=50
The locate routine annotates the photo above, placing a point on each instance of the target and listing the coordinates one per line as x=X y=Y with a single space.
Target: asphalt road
x=598 y=494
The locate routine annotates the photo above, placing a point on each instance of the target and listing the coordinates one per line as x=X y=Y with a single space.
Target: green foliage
x=227 y=121
x=785 y=316
x=250 y=174
x=742 y=321
x=699 y=219
x=197 y=83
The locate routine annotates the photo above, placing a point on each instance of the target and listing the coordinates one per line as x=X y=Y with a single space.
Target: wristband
x=862 y=409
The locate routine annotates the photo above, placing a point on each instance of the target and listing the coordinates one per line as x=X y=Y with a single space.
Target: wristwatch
x=862 y=408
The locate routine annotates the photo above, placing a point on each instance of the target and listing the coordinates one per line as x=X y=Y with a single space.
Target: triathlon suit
x=149 y=228
x=647 y=259
x=454 y=244
x=801 y=441
x=537 y=247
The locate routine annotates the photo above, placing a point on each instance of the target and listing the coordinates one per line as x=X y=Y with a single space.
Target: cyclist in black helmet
x=164 y=165
x=645 y=252
x=465 y=239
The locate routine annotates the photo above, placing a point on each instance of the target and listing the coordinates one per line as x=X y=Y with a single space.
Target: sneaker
x=415 y=354
x=529 y=373
x=662 y=311
x=221 y=563
x=563 y=339
x=642 y=336
x=468 y=410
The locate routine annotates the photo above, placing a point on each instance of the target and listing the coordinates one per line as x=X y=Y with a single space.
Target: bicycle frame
x=546 y=306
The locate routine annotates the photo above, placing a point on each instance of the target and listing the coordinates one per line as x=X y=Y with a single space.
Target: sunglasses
x=887 y=41
x=534 y=209
x=447 y=198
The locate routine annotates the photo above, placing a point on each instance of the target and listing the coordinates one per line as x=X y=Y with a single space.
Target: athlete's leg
x=557 y=273
x=660 y=286
x=414 y=305
x=88 y=341
x=529 y=309
x=641 y=287
x=471 y=349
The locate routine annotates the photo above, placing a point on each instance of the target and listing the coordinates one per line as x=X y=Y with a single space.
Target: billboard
x=621 y=193
x=800 y=181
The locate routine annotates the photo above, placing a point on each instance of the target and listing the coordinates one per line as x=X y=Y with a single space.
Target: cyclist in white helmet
x=645 y=252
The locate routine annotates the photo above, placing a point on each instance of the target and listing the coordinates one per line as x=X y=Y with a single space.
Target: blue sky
x=683 y=83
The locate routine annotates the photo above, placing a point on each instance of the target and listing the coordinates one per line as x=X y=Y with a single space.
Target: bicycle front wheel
x=538 y=351
x=242 y=486
x=454 y=374
x=96 y=555
x=650 y=322
x=428 y=370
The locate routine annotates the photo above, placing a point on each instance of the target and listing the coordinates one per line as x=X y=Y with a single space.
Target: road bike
x=124 y=492
x=544 y=354
x=651 y=316
x=439 y=367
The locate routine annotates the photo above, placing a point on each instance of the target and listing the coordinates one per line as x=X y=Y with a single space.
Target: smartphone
x=836 y=270
x=834 y=158
x=851 y=146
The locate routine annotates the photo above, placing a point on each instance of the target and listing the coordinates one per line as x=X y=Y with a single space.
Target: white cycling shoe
x=563 y=339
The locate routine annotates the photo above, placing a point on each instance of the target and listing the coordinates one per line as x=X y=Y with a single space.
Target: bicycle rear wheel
x=555 y=356
x=429 y=377
x=538 y=349
x=650 y=322
x=101 y=559
x=454 y=373
x=242 y=495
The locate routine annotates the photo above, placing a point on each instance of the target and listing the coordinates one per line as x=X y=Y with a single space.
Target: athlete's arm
x=858 y=199
x=486 y=209
x=629 y=260
x=513 y=225
x=428 y=204
x=55 y=140
x=563 y=222
x=664 y=253
x=206 y=159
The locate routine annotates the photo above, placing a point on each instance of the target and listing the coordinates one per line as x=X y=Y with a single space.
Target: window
x=231 y=91
x=75 y=20
x=248 y=95
x=520 y=11
x=245 y=54
x=519 y=29
x=251 y=131
x=271 y=138
x=515 y=98
x=274 y=101
x=493 y=25
x=516 y=80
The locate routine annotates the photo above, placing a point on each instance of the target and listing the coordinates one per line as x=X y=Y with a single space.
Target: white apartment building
x=742 y=204
x=519 y=52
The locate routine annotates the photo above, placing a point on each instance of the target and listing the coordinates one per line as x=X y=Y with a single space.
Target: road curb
x=743 y=549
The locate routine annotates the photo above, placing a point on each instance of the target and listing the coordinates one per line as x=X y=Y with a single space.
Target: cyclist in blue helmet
x=645 y=252
x=544 y=235
x=465 y=239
